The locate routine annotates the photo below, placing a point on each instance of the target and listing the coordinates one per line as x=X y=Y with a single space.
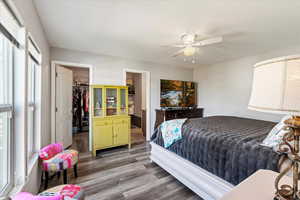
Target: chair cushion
x=69 y=192
x=28 y=196
x=64 y=160
x=50 y=151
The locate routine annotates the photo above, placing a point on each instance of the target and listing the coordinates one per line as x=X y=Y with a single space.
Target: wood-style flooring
x=137 y=136
x=81 y=139
x=122 y=174
x=81 y=142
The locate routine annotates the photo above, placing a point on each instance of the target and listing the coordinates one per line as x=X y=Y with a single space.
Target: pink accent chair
x=55 y=160
x=61 y=192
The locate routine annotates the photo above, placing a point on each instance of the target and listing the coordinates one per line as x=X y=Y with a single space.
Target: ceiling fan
x=190 y=44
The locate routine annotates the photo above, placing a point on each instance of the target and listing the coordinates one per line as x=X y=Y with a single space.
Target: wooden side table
x=259 y=186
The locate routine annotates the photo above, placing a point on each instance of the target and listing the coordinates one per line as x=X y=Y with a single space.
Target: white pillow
x=275 y=136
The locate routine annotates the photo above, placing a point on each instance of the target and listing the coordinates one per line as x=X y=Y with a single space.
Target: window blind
x=9 y=25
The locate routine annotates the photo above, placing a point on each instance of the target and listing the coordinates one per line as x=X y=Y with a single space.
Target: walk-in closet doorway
x=71 y=117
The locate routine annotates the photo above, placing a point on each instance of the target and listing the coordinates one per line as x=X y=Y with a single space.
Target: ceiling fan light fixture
x=189 y=51
x=188 y=38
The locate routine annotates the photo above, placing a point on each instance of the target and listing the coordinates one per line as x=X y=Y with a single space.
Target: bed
x=216 y=153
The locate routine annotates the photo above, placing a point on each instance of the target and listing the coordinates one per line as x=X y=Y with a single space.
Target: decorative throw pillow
x=171 y=131
x=71 y=192
x=275 y=136
x=28 y=196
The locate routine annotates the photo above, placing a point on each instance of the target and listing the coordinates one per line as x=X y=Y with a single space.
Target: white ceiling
x=136 y=29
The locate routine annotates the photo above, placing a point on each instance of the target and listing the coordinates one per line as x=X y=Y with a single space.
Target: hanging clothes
x=80 y=106
x=86 y=105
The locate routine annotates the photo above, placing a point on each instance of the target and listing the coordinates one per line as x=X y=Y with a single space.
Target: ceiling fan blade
x=179 y=45
x=174 y=45
x=178 y=53
x=208 y=41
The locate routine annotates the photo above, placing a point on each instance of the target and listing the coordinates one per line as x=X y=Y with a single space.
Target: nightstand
x=259 y=186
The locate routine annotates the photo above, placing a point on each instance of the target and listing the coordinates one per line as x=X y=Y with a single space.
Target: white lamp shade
x=276 y=86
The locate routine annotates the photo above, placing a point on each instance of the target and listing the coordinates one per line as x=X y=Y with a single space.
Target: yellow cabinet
x=111 y=122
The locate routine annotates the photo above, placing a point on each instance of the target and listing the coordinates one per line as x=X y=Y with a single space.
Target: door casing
x=53 y=95
x=148 y=96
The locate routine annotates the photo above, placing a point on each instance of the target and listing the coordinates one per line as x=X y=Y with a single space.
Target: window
x=20 y=103
x=31 y=114
x=6 y=106
x=10 y=41
x=33 y=85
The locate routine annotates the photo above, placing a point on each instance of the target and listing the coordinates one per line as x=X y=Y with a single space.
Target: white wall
x=224 y=88
x=109 y=70
x=144 y=89
x=32 y=23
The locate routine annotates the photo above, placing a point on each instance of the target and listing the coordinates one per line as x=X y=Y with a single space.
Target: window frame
x=10 y=151
x=13 y=30
x=34 y=57
x=24 y=47
x=9 y=109
x=32 y=108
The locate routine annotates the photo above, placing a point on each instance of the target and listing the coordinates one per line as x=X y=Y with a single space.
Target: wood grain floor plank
x=126 y=174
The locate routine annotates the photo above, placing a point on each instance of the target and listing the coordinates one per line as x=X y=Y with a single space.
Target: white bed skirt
x=205 y=184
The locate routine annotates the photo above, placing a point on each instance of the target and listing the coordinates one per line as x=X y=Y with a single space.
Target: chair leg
x=42 y=178
x=65 y=177
x=75 y=171
x=46 y=180
x=58 y=175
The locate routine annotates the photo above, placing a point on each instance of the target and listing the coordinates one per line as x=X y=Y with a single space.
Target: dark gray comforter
x=225 y=146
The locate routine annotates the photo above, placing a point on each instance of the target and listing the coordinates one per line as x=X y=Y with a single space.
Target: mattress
x=228 y=147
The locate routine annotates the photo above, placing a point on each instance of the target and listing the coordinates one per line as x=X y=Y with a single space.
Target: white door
x=64 y=101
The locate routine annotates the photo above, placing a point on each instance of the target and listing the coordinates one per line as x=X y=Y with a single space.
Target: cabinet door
x=121 y=131
x=111 y=101
x=123 y=101
x=103 y=134
x=98 y=102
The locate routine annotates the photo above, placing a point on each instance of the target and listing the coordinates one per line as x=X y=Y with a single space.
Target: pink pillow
x=28 y=196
